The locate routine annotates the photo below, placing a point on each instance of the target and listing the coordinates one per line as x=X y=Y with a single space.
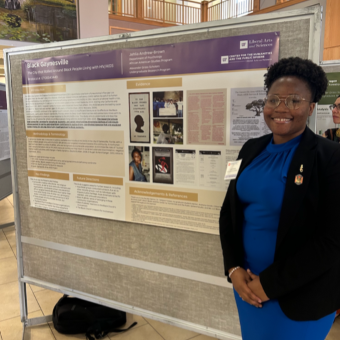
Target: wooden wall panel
x=332 y=31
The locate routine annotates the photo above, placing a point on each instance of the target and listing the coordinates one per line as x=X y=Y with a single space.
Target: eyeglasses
x=333 y=106
x=293 y=102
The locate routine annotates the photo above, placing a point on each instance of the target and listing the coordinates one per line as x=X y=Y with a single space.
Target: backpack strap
x=99 y=334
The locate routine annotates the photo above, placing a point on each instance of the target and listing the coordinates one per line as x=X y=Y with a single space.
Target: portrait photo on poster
x=162 y=159
x=168 y=131
x=167 y=104
x=139 y=163
x=139 y=115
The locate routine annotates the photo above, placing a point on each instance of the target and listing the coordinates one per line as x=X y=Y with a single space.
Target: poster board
x=324 y=117
x=175 y=276
x=5 y=163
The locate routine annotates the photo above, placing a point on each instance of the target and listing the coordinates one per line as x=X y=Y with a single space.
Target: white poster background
x=246 y=115
x=120 y=202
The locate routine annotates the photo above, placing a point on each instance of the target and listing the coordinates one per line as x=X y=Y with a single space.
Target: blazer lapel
x=305 y=155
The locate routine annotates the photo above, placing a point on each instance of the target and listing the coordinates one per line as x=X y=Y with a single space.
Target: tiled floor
x=41 y=302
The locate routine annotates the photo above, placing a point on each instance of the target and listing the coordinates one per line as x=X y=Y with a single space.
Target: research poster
x=324 y=112
x=246 y=115
x=144 y=134
x=4 y=133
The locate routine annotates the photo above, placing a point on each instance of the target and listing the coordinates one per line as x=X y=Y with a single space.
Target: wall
x=121 y=26
x=93 y=18
x=267 y=3
x=332 y=31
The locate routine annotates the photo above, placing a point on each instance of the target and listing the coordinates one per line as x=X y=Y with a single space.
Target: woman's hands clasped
x=249 y=287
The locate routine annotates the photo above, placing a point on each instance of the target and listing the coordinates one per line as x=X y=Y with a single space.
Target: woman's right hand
x=240 y=279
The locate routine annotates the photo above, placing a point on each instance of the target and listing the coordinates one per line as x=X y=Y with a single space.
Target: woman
x=135 y=167
x=334 y=134
x=279 y=223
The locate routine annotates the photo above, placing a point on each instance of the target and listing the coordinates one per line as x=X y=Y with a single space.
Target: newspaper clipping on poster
x=144 y=134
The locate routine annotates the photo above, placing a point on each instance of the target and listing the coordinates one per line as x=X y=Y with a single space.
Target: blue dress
x=260 y=189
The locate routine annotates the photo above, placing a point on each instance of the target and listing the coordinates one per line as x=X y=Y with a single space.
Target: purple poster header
x=3 y=102
x=213 y=55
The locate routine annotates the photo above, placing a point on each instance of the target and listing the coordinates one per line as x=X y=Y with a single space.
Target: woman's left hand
x=256 y=286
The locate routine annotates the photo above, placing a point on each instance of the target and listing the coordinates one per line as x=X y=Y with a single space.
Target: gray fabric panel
x=181 y=249
x=187 y=300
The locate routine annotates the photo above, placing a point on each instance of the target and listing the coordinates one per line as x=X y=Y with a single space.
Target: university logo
x=243 y=44
x=225 y=60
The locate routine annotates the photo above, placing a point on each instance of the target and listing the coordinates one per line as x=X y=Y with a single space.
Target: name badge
x=232 y=170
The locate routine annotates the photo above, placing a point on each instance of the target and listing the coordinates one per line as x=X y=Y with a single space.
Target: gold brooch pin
x=298 y=179
x=301 y=168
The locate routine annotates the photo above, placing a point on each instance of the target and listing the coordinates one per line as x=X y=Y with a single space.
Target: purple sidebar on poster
x=3 y=102
x=213 y=55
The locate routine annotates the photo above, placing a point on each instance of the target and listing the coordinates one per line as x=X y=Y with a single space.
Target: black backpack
x=74 y=316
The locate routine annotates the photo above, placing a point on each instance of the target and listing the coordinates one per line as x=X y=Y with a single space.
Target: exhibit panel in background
x=5 y=163
x=88 y=126
x=152 y=267
x=324 y=111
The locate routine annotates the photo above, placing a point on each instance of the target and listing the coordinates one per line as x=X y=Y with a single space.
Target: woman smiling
x=279 y=224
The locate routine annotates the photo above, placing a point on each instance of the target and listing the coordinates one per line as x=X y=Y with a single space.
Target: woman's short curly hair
x=304 y=69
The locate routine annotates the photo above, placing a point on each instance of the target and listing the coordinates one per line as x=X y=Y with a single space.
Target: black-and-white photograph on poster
x=139 y=117
x=168 y=104
x=163 y=165
x=168 y=131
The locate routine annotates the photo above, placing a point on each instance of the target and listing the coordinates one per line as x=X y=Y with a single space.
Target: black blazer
x=305 y=275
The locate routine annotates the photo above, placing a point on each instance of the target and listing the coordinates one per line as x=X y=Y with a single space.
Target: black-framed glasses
x=293 y=101
x=333 y=106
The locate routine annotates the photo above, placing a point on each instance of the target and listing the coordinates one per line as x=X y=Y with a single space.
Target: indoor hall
x=41 y=302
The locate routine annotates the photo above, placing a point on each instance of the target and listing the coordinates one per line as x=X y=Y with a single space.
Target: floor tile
x=11 y=238
x=9 y=297
x=334 y=333
x=203 y=337
x=12 y=329
x=8 y=270
x=130 y=319
x=36 y=288
x=169 y=332
x=47 y=299
x=5 y=248
x=145 y=332
x=9 y=229
x=6 y=212
x=10 y=198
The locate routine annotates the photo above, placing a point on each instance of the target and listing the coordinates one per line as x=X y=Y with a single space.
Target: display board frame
x=157 y=273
